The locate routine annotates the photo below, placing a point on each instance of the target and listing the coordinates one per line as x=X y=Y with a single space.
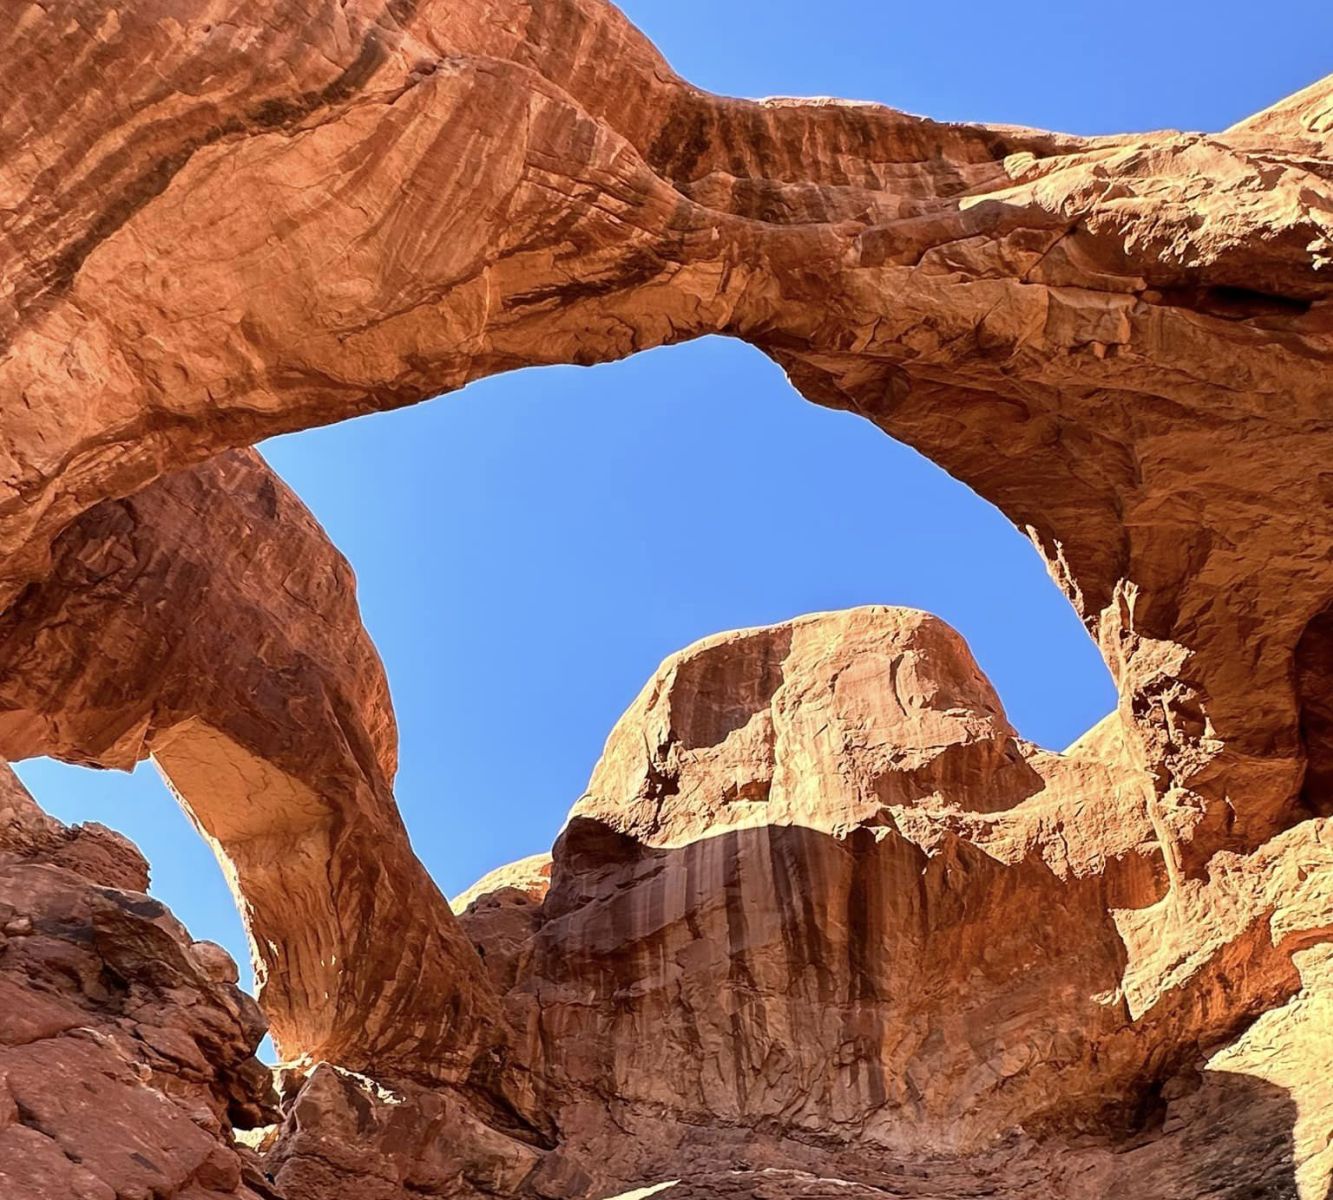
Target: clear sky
x=529 y=549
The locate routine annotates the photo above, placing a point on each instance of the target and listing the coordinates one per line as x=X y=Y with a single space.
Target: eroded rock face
x=797 y=902
x=1120 y=341
x=392 y=1139
x=819 y=888
x=503 y=911
x=829 y=722
x=208 y=622
x=813 y=825
x=756 y=981
x=126 y=1049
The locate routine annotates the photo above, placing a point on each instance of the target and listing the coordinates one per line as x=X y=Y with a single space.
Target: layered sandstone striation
x=822 y=916
x=818 y=888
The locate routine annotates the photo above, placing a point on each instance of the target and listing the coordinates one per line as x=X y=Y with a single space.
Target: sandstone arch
x=1122 y=370
x=208 y=623
x=1122 y=342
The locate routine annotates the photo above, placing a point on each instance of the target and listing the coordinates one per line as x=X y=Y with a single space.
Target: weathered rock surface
x=207 y=622
x=818 y=889
x=809 y=923
x=392 y=1139
x=503 y=911
x=1121 y=341
x=126 y=1051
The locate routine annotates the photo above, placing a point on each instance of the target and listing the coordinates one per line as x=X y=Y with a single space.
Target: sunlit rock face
x=819 y=888
x=781 y=885
x=821 y=913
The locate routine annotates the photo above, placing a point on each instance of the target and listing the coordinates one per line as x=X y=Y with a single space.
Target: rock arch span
x=1122 y=342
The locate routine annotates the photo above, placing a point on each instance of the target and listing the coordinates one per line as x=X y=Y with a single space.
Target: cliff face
x=819 y=890
x=820 y=913
x=784 y=881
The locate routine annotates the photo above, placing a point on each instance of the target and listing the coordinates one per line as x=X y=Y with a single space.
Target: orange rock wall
x=797 y=902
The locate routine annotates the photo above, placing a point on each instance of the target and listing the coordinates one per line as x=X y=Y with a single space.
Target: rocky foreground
x=822 y=923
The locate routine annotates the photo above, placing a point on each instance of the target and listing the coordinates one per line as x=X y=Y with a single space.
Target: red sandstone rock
x=207 y=621
x=819 y=888
x=1090 y=332
x=502 y=911
x=251 y=221
x=349 y=1135
x=124 y=1061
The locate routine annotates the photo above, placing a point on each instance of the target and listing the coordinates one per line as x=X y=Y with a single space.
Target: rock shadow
x=1314 y=688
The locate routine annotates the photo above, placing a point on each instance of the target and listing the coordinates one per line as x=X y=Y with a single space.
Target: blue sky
x=529 y=549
